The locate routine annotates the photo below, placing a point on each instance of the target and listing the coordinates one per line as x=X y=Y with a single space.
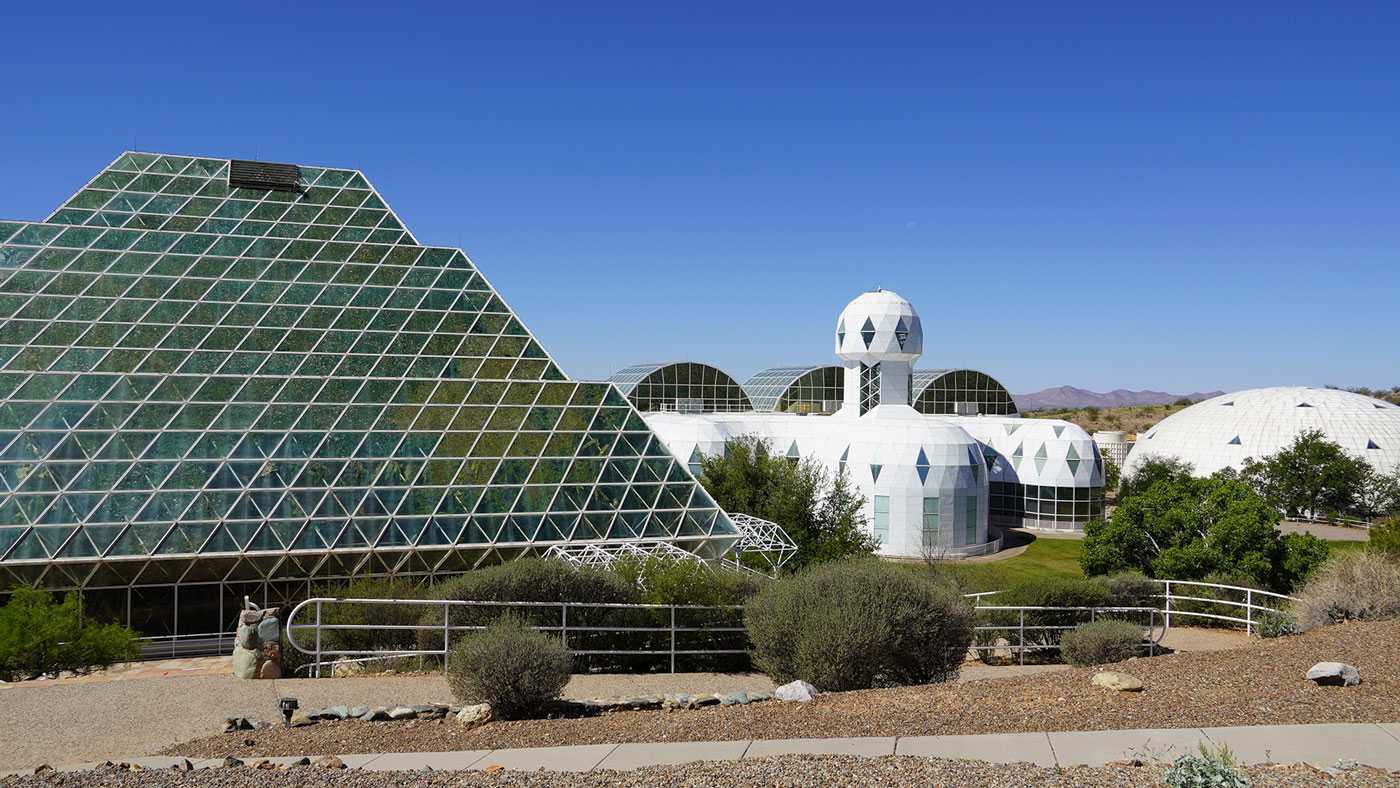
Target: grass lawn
x=1045 y=558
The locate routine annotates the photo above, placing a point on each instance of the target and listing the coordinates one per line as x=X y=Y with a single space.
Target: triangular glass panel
x=867 y=333
x=901 y=333
x=1235 y=441
x=874 y=472
x=922 y=466
x=1370 y=444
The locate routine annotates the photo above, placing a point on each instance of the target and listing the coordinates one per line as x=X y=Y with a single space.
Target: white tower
x=878 y=338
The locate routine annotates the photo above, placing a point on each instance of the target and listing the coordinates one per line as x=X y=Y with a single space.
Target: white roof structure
x=1224 y=431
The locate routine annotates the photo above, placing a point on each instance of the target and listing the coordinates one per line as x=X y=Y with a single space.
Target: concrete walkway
x=1371 y=744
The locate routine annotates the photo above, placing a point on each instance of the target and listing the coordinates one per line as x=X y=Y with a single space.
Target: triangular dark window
x=840 y=333
x=901 y=333
x=1370 y=444
x=1230 y=404
x=1304 y=405
x=1235 y=441
x=874 y=472
x=867 y=333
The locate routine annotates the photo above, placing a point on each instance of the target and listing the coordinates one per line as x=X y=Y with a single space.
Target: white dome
x=1225 y=431
x=879 y=326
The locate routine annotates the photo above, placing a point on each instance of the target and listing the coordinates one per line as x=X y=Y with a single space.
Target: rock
x=1334 y=674
x=378 y=714
x=735 y=699
x=232 y=763
x=675 y=700
x=232 y=724
x=186 y=766
x=402 y=713
x=335 y=713
x=269 y=630
x=246 y=637
x=264 y=764
x=755 y=697
x=344 y=668
x=494 y=768
x=1112 y=679
x=331 y=762
x=472 y=716
x=270 y=670
x=250 y=617
x=359 y=711
x=43 y=768
x=302 y=718
x=700 y=701
x=796 y=690
x=245 y=663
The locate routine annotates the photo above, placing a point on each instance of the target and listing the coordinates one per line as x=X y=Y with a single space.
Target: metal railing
x=669 y=631
x=1040 y=613
x=1250 y=619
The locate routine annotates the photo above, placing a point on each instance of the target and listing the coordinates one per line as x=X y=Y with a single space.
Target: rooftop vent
x=264 y=175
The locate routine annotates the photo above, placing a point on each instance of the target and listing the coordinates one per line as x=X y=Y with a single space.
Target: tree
x=1310 y=476
x=1112 y=474
x=1151 y=471
x=1379 y=493
x=39 y=637
x=1184 y=528
x=822 y=514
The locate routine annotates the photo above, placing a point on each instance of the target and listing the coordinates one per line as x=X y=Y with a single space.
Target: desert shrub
x=1045 y=592
x=516 y=669
x=1358 y=586
x=39 y=636
x=1210 y=767
x=1131 y=589
x=660 y=581
x=1270 y=624
x=1101 y=642
x=1385 y=538
x=377 y=616
x=857 y=624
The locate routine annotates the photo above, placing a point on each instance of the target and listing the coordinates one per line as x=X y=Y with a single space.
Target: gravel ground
x=777 y=771
x=1260 y=684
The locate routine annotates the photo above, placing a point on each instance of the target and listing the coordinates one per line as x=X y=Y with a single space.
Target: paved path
x=1332 y=533
x=1321 y=745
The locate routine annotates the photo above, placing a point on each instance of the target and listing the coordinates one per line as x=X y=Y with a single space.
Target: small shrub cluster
x=1131 y=589
x=857 y=624
x=1385 y=538
x=39 y=637
x=1101 y=642
x=1270 y=624
x=1358 y=586
x=1208 y=769
x=510 y=665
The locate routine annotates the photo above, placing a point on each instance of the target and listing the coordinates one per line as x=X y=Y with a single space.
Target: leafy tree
x=39 y=636
x=1187 y=528
x=1385 y=537
x=822 y=514
x=1312 y=475
x=1379 y=493
x=1112 y=474
x=1153 y=470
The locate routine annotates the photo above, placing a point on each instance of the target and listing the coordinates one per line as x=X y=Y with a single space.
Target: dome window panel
x=867 y=333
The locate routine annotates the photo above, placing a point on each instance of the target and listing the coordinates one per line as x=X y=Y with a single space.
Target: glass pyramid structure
x=208 y=384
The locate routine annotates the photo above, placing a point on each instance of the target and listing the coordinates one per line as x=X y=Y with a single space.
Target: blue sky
x=1181 y=198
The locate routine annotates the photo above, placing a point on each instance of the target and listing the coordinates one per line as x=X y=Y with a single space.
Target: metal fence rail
x=318 y=625
x=1250 y=619
x=1043 y=612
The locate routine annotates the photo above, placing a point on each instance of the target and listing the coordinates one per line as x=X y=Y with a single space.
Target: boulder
x=302 y=718
x=402 y=713
x=246 y=637
x=796 y=690
x=755 y=697
x=359 y=711
x=472 y=716
x=334 y=713
x=245 y=663
x=735 y=699
x=1334 y=674
x=1112 y=679
x=269 y=630
x=331 y=762
x=378 y=714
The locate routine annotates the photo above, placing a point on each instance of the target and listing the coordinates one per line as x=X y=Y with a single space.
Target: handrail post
x=564 y=623
x=673 y=638
x=318 y=639
x=1249 y=611
x=1168 y=624
x=446 y=633
x=1022 y=628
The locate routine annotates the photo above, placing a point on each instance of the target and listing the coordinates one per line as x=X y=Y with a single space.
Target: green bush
x=857 y=624
x=1358 y=586
x=1222 y=607
x=39 y=637
x=662 y=581
x=1209 y=769
x=1385 y=538
x=1270 y=624
x=1131 y=589
x=1101 y=642
x=1046 y=592
x=516 y=669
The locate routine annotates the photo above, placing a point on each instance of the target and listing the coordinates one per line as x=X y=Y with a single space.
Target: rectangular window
x=970 y=524
x=882 y=519
x=930 y=522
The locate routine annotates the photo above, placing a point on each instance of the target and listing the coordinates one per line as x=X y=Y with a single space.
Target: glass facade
x=931 y=517
x=251 y=389
x=796 y=389
x=882 y=518
x=960 y=392
x=681 y=386
x=1038 y=506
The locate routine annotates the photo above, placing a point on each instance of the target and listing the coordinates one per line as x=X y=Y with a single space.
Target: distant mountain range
x=1066 y=397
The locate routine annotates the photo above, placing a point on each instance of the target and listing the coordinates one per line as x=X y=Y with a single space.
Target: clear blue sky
x=1188 y=197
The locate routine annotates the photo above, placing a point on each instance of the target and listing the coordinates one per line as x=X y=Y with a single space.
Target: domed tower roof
x=877 y=326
